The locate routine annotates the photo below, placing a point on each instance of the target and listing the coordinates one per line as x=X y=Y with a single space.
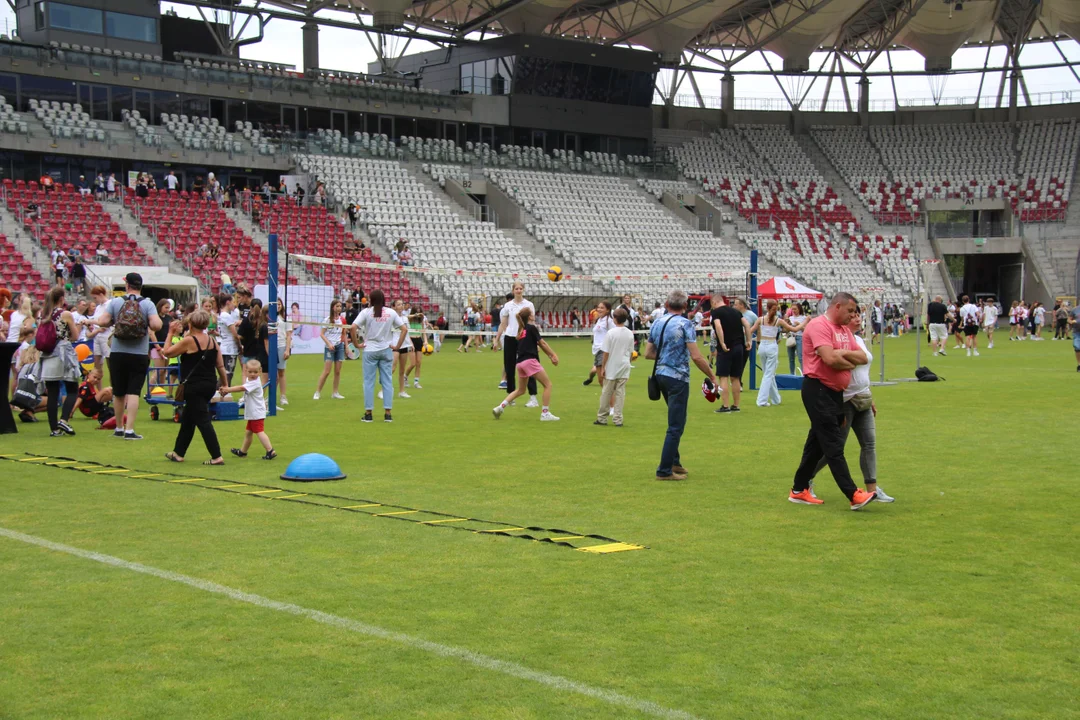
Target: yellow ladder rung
x=448 y=520
x=398 y=512
x=567 y=537
x=261 y=492
x=35 y=459
x=350 y=507
x=58 y=464
x=146 y=475
x=513 y=529
x=111 y=472
x=188 y=480
x=219 y=487
x=286 y=497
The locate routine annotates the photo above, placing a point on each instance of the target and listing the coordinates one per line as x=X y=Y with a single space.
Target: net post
x=272 y=297
x=752 y=277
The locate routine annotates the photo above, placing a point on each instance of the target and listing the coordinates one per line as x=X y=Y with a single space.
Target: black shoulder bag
x=654 y=386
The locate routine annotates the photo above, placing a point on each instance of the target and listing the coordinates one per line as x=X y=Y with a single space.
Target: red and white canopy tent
x=785 y=288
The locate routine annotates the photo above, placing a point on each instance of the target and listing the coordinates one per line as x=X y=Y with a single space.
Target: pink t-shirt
x=819 y=332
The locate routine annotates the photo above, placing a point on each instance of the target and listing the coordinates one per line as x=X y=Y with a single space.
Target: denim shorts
x=335 y=355
x=1076 y=341
x=281 y=357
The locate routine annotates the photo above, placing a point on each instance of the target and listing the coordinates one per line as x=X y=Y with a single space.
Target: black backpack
x=925 y=374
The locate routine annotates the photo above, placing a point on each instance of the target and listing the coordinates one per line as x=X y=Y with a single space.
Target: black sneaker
x=132 y=436
x=27 y=417
x=65 y=427
x=722 y=409
x=735 y=408
x=57 y=433
x=588 y=380
x=387 y=418
x=118 y=433
x=597 y=422
x=367 y=418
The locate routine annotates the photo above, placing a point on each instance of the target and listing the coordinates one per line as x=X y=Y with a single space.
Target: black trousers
x=510 y=345
x=52 y=387
x=196 y=414
x=826 y=438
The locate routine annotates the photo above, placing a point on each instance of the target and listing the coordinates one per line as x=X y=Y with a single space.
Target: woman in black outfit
x=200 y=358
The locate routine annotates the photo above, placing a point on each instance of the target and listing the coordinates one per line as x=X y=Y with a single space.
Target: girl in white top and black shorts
x=507 y=336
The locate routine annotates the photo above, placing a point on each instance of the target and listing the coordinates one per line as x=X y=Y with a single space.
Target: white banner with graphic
x=307 y=303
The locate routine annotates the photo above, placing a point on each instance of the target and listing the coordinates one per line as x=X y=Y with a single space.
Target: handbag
x=654 y=384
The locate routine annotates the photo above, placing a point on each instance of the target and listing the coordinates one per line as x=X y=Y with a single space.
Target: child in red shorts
x=254 y=410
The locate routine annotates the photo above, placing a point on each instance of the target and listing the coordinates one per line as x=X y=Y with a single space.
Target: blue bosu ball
x=313 y=467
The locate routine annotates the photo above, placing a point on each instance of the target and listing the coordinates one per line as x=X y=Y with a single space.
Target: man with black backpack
x=132 y=317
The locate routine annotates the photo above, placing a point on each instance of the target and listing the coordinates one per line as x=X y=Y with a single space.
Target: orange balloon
x=82 y=352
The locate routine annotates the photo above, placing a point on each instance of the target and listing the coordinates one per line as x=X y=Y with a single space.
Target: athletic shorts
x=528 y=368
x=731 y=363
x=335 y=355
x=405 y=349
x=971 y=330
x=281 y=362
x=598 y=359
x=127 y=371
x=938 y=331
x=256 y=426
x=101 y=346
x=877 y=328
x=418 y=344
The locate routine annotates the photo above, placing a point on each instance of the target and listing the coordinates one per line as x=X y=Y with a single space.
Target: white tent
x=158 y=282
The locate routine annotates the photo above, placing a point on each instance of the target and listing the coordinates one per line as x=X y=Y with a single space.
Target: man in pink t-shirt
x=829 y=354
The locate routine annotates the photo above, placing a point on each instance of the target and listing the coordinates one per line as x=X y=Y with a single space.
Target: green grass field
x=958 y=600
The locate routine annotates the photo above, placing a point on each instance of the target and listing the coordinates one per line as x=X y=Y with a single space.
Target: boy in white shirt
x=614 y=372
x=254 y=410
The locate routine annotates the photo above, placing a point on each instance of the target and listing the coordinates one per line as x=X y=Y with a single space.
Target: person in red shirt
x=829 y=354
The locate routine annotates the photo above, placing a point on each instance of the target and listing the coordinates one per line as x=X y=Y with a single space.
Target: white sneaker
x=547 y=417
x=533 y=403
x=497 y=411
x=880 y=496
x=284 y=400
x=416 y=384
x=404 y=394
x=958 y=347
x=969 y=352
x=975 y=353
x=338 y=396
x=380 y=394
x=315 y=397
x=990 y=346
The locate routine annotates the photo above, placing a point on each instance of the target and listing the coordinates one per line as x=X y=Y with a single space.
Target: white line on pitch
x=484 y=661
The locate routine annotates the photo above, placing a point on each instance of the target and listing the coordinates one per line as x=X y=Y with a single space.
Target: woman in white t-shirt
x=334 y=352
x=507 y=338
x=604 y=323
x=284 y=349
x=382 y=329
x=22 y=316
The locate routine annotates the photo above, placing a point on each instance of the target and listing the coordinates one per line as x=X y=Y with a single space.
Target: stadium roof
x=792 y=29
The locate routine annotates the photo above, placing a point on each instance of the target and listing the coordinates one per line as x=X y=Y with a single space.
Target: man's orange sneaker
x=861 y=499
x=804 y=498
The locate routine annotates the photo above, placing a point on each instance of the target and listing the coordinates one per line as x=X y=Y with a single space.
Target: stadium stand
x=768 y=179
x=603 y=226
x=311 y=230
x=71 y=220
x=199 y=133
x=184 y=224
x=11 y=121
x=396 y=206
x=66 y=120
x=20 y=274
x=893 y=168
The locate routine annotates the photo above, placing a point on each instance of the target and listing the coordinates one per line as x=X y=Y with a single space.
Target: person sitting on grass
x=254 y=410
x=92 y=402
